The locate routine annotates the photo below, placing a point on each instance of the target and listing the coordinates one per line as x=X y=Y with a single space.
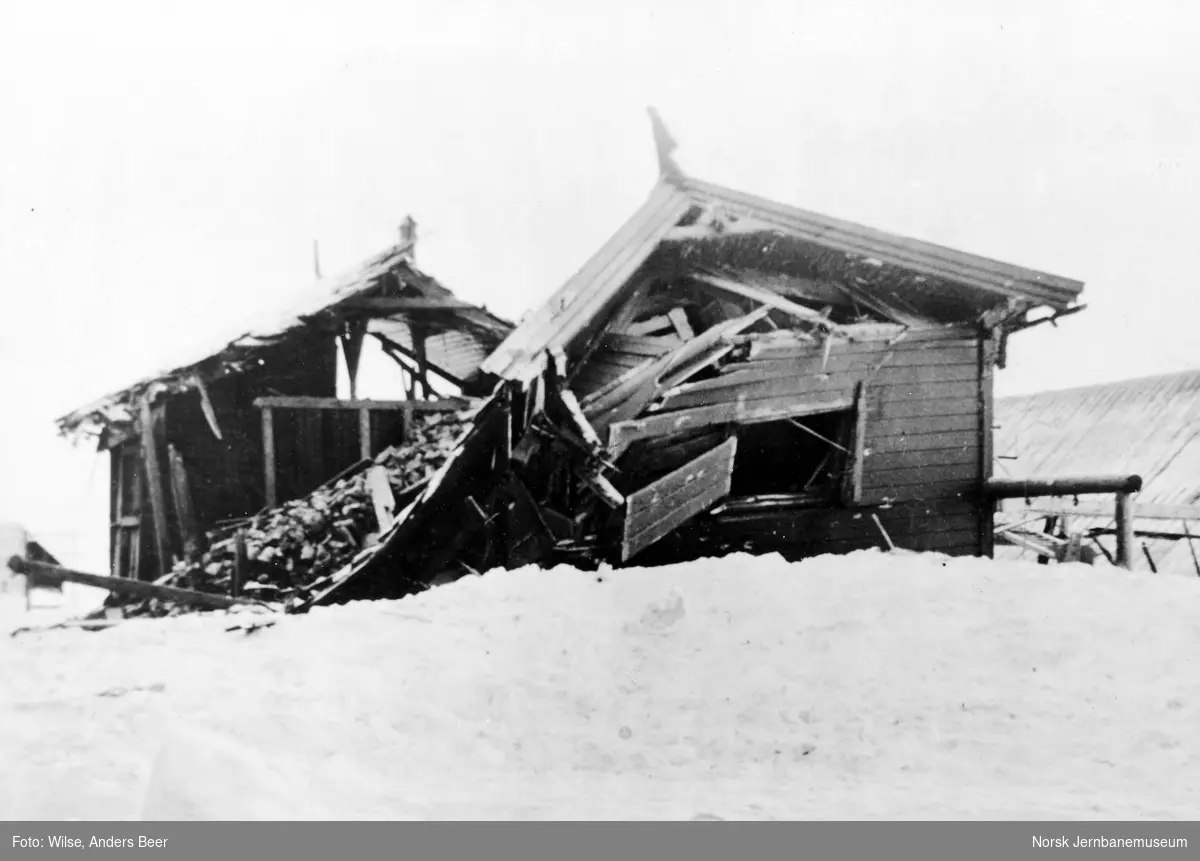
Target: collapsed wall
x=291 y=547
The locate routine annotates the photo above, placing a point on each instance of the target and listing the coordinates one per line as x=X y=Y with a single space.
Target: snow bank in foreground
x=864 y=686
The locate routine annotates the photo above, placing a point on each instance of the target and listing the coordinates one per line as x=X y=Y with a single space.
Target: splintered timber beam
x=394 y=349
x=123 y=585
x=770 y=298
x=284 y=402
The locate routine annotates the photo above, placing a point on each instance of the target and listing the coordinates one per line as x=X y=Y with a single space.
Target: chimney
x=408 y=236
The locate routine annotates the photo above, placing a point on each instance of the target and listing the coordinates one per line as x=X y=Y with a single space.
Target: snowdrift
x=862 y=686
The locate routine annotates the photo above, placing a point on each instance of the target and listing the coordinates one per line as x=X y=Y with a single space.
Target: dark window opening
x=783 y=458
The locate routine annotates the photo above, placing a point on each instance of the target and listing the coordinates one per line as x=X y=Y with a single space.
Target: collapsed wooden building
x=231 y=437
x=728 y=373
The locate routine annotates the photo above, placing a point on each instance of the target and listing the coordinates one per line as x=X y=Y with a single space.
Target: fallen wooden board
x=125 y=585
x=666 y=504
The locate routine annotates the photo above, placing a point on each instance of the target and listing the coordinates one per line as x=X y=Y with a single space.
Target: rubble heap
x=292 y=546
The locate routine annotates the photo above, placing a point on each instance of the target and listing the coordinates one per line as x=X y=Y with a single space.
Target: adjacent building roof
x=1148 y=426
x=459 y=334
x=893 y=268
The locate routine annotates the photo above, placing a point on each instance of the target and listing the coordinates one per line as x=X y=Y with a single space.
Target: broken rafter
x=770 y=298
x=823 y=439
x=391 y=347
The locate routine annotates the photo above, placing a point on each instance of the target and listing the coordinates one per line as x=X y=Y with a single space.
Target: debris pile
x=293 y=546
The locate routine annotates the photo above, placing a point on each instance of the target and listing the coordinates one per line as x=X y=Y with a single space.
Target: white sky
x=164 y=168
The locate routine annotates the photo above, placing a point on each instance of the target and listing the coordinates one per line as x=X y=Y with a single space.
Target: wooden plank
x=399 y=353
x=629 y=399
x=382 y=498
x=405 y=304
x=883 y=388
x=305 y=403
x=789 y=343
x=666 y=504
x=865 y=358
x=770 y=299
x=364 y=433
x=649 y=326
x=921 y=475
x=623 y=434
x=206 y=407
x=640 y=345
x=883 y=462
x=124 y=585
x=955 y=404
x=270 y=472
x=185 y=512
x=679 y=320
x=755 y=375
x=151 y=417
x=965 y=438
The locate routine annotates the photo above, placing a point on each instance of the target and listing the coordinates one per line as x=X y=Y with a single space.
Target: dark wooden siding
x=924 y=450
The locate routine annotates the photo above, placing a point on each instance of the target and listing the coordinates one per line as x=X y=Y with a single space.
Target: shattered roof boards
x=460 y=333
x=923 y=267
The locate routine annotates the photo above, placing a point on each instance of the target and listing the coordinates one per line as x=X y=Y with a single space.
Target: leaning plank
x=772 y=299
x=382 y=498
x=623 y=434
x=305 y=403
x=663 y=506
x=185 y=512
x=630 y=398
x=123 y=585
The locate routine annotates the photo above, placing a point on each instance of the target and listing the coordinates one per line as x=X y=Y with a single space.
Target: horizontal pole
x=53 y=574
x=284 y=402
x=1145 y=511
x=1019 y=488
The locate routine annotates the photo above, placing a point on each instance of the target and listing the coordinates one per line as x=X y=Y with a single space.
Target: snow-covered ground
x=866 y=686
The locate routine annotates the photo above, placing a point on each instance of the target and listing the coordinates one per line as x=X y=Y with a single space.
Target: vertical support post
x=154 y=482
x=852 y=484
x=116 y=509
x=364 y=433
x=419 y=337
x=268 y=441
x=988 y=356
x=137 y=487
x=352 y=345
x=407 y=412
x=1124 y=517
x=239 y=564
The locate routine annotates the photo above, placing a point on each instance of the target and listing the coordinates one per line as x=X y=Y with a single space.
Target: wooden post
x=988 y=349
x=1124 y=516
x=352 y=344
x=364 y=433
x=154 y=481
x=422 y=361
x=117 y=510
x=135 y=539
x=239 y=564
x=268 y=434
x=189 y=528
